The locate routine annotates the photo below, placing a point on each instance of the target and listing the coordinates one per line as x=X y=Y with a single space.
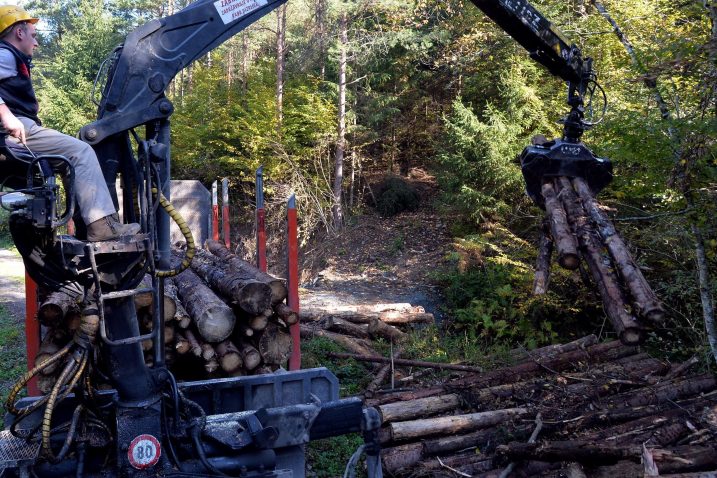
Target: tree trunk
x=53 y=309
x=452 y=424
x=542 y=266
x=213 y=318
x=348 y=343
x=412 y=363
x=286 y=314
x=229 y=357
x=275 y=345
x=421 y=408
x=628 y=329
x=647 y=303
x=564 y=240
x=337 y=208
x=280 y=65
x=378 y=328
x=243 y=269
x=250 y=295
x=340 y=326
x=250 y=355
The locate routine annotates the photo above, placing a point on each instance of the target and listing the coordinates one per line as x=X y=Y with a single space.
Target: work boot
x=109 y=229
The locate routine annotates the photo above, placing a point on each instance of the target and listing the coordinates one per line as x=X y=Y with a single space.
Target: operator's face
x=26 y=38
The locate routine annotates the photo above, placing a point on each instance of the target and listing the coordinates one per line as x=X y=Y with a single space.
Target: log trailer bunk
x=149 y=425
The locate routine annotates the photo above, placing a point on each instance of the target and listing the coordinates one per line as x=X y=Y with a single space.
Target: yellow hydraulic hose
x=186 y=232
x=76 y=371
x=20 y=384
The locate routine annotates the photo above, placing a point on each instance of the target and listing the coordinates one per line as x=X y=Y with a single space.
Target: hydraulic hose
x=20 y=384
x=186 y=232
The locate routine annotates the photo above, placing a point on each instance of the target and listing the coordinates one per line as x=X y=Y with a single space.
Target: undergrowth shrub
x=395 y=195
x=489 y=295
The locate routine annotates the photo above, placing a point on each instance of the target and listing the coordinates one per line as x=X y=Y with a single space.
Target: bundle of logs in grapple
x=222 y=317
x=581 y=409
x=579 y=227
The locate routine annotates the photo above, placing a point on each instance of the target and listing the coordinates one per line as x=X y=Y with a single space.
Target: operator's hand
x=13 y=126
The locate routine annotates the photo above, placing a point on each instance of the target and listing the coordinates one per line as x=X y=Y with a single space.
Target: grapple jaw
x=562 y=158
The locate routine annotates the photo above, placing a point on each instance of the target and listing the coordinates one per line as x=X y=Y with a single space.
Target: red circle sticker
x=144 y=451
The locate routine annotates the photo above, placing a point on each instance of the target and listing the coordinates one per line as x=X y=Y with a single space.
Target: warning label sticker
x=144 y=452
x=231 y=10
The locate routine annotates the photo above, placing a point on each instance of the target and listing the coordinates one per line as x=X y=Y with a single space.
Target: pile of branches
x=223 y=317
x=578 y=227
x=577 y=409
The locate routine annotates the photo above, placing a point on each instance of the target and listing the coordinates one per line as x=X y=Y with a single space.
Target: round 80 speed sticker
x=144 y=452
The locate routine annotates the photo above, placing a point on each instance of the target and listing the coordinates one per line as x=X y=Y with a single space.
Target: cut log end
x=632 y=336
x=569 y=261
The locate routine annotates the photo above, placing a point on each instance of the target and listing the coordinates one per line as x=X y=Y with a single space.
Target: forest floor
x=378 y=259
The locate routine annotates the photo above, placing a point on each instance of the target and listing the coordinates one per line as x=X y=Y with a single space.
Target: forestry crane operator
x=148 y=424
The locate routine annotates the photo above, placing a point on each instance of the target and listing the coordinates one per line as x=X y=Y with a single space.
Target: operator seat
x=14 y=161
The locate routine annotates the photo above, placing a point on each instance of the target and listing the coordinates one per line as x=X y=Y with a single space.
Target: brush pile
x=577 y=409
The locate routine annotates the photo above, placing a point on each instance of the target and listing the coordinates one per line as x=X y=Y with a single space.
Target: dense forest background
x=333 y=97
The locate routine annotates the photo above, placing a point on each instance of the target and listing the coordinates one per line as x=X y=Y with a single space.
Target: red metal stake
x=293 y=281
x=215 y=212
x=225 y=212
x=32 y=331
x=260 y=221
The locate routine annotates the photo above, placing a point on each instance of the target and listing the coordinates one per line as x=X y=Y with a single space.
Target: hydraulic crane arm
x=141 y=69
x=545 y=43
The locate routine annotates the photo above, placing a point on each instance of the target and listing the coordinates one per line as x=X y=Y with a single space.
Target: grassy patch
x=328 y=458
x=12 y=353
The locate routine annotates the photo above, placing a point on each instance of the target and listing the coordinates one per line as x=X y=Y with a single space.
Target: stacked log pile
x=221 y=317
x=578 y=409
x=577 y=225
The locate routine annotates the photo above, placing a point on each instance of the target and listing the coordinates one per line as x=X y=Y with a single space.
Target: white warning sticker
x=231 y=10
x=144 y=452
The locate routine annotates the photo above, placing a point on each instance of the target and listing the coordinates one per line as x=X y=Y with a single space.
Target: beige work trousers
x=91 y=193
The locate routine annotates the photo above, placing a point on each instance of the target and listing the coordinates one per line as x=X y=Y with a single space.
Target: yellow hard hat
x=12 y=14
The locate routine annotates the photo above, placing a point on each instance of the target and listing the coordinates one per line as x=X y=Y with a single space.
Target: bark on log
x=627 y=327
x=55 y=307
x=242 y=268
x=594 y=354
x=415 y=429
x=573 y=450
x=170 y=300
x=553 y=350
x=250 y=355
x=340 y=326
x=378 y=328
x=275 y=345
x=412 y=363
x=348 y=343
x=671 y=390
x=647 y=303
x=213 y=318
x=381 y=375
x=195 y=346
x=404 y=457
x=365 y=316
x=52 y=342
x=403 y=318
x=474 y=462
x=564 y=240
x=229 y=357
x=285 y=313
x=249 y=294
x=542 y=263
x=421 y=408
